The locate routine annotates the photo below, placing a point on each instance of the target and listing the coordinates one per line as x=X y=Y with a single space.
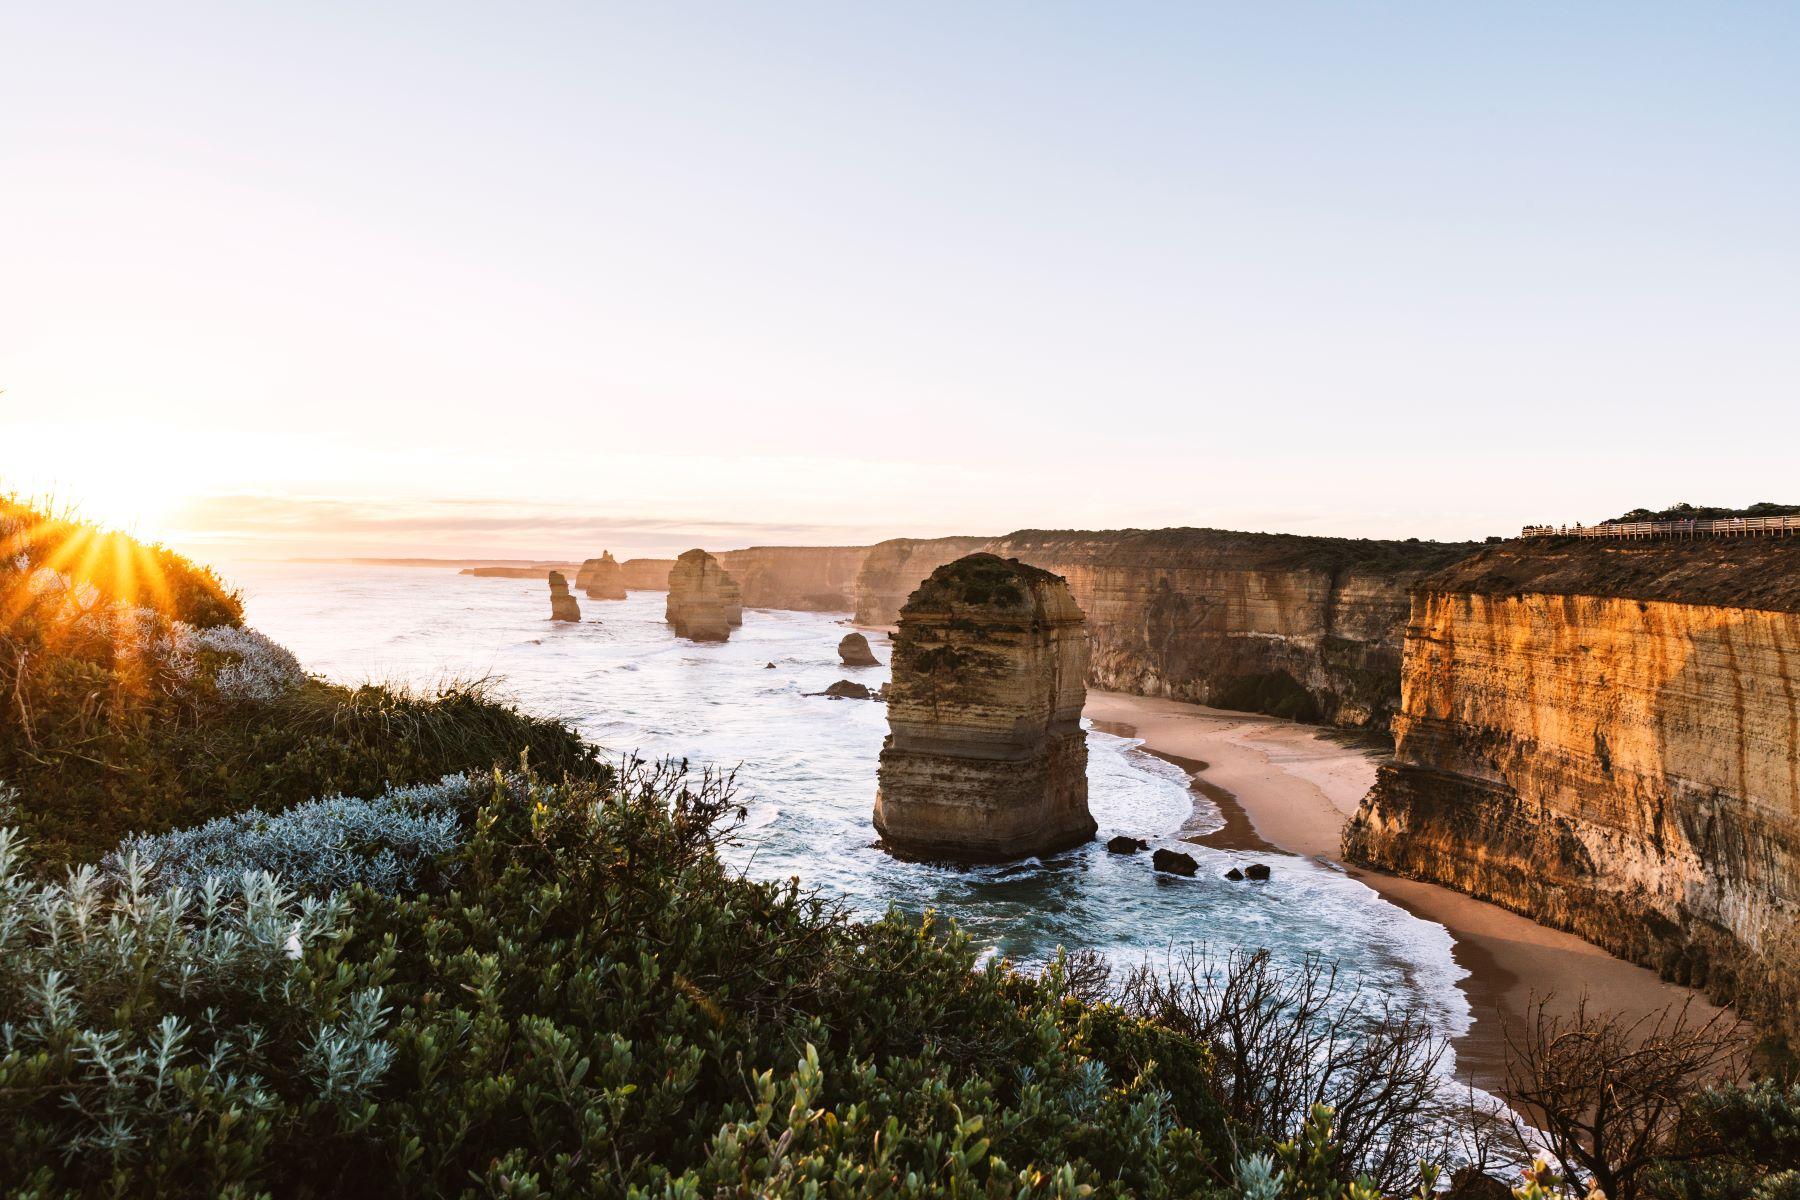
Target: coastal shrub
x=390 y=843
x=137 y=703
x=175 y=1042
x=1285 y=1040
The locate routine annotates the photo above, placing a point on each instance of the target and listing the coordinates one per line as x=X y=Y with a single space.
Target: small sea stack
x=698 y=593
x=601 y=578
x=985 y=758
x=855 y=652
x=562 y=604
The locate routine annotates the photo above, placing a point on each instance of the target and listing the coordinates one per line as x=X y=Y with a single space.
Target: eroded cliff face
x=890 y=571
x=648 y=574
x=1607 y=738
x=985 y=757
x=1302 y=627
x=798 y=578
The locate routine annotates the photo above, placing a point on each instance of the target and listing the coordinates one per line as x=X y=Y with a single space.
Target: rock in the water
x=562 y=605
x=602 y=578
x=985 y=757
x=698 y=593
x=855 y=652
x=845 y=689
x=768 y=666
x=1174 y=862
x=1126 y=845
x=1257 y=871
x=1235 y=875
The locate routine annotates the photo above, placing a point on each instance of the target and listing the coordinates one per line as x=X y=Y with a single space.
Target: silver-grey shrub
x=129 y=1010
x=390 y=843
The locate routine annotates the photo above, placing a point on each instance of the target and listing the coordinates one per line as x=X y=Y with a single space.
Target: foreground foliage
x=132 y=700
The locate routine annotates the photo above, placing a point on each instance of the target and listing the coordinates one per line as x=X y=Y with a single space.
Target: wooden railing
x=1695 y=527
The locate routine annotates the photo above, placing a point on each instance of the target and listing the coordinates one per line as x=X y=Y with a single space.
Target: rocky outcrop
x=1302 y=627
x=601 y=578
x=530 y=571
x=698 y=598
x=854 y=650
x=731 y=597
x=562 y=604
x=646 y=574
x=891 y=570
x=797 y=578
x=985 y=757
x=1606 y=737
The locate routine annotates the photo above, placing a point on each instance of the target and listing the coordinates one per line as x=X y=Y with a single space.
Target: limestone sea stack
x=601 y=578
x=855 y=652
x=698 y=591
x=562 y=604
x=985 y=758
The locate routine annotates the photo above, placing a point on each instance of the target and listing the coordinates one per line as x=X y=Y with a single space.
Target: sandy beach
x=1292 y=787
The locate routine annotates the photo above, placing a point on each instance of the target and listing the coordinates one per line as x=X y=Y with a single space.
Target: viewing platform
x=1787 y=526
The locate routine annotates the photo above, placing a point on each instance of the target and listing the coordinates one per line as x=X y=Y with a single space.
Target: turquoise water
x=806 y=769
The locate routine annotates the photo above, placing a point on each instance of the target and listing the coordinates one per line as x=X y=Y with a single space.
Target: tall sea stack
x=985 y=758
x=562 y=605
x=702 y=598
x=601 y=578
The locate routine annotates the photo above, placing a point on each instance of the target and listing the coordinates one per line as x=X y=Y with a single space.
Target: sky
x=532 y=279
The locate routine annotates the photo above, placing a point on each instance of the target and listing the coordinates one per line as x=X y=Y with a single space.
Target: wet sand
x=1292 y=787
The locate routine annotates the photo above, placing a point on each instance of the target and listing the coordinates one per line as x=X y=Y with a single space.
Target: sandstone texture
x=699 y=598
x=647 y=574
x=562 y=604
x=985 y=757
x=731 y=598
x=601 y=578
x=1302 y=627
x=891 y=570
x=797 y=578
x=1606 y=737
x=854 y=650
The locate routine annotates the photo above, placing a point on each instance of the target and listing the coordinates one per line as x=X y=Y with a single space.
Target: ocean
x=805 y=767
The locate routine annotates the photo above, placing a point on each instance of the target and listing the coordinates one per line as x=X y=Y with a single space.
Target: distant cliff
x=892 y=569
x=1303 y=627
x=1606 y=737
x=649 y=574
x=801 y=578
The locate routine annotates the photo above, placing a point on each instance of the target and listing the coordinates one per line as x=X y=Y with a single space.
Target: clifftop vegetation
x=1760 y=573
x=1225 y=547
x=1703 y=512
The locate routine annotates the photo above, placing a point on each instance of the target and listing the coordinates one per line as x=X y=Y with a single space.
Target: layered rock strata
x=985 y=757
x=731 y=597
x=646 y=574
x=797 y=578
x=1302 y=627
x=601 y=578
x=698 y=605
x=562 y=604
x=1606 y=737
x=891 y=570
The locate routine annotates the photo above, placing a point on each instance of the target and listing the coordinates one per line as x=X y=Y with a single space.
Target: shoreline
x=1290 y=788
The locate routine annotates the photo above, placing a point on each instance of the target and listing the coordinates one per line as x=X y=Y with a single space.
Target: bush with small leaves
x=172 y=1042
x=390 y=843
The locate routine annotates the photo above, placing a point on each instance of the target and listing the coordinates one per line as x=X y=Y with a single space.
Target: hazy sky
x=534 y=278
